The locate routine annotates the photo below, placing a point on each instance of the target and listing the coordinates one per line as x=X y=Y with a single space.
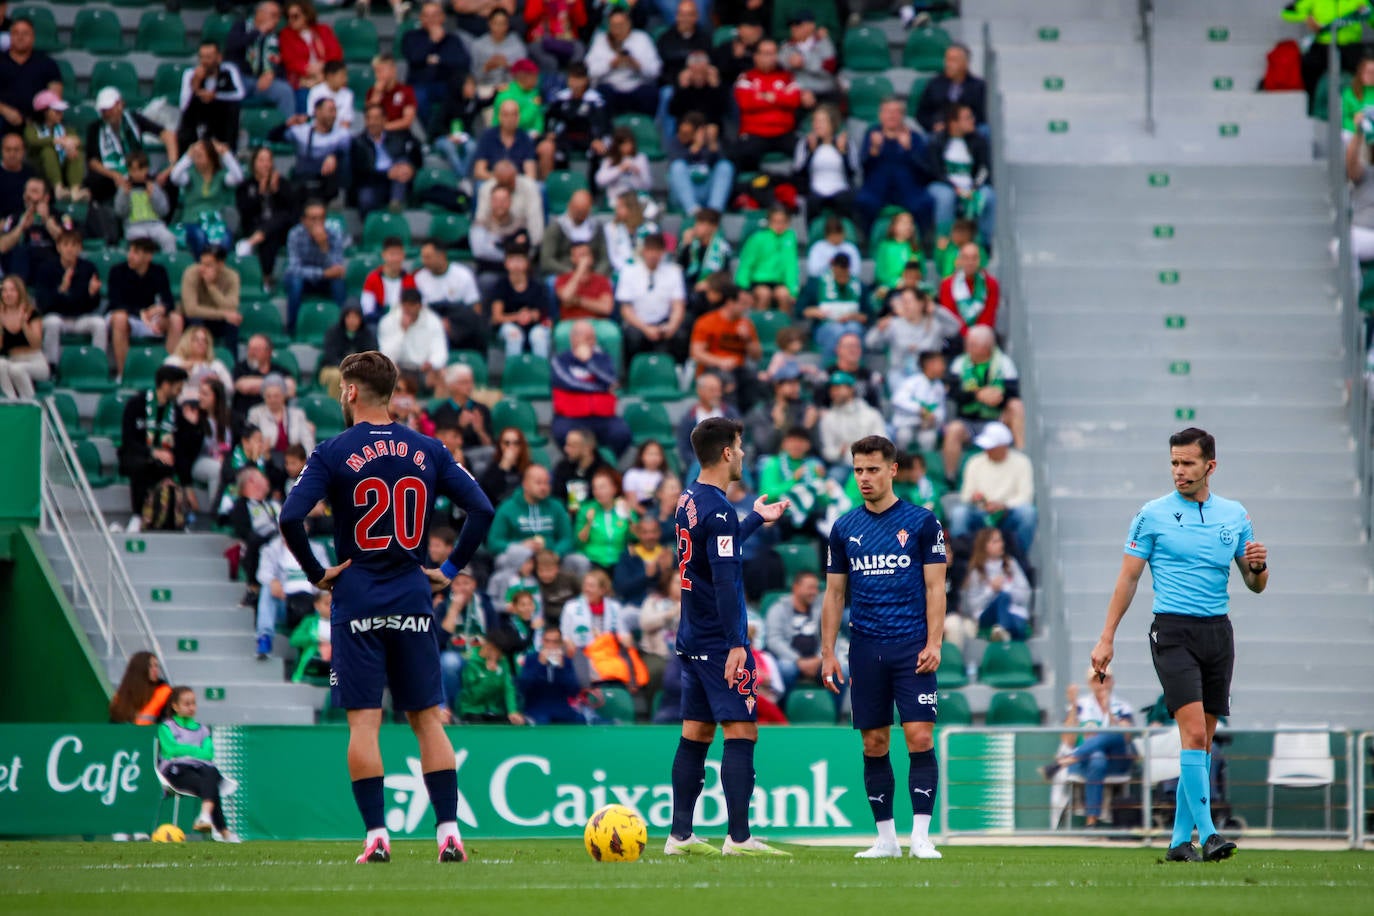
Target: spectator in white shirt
x=918 y=404
x=450 y=291
x=824 y=249
x=413 y=337
x=999 y=487
x=624 y=66
x=917 y=324
x=625 y=168
x=526 y=202
x=847 y=419
x=653 y=303
x=335 y=87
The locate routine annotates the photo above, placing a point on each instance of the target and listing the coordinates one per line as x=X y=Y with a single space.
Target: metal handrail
x=118 y=593
x=1147 y=40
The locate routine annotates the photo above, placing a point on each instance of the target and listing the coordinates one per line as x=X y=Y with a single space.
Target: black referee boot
x=1217 y=848
x=1183 y=852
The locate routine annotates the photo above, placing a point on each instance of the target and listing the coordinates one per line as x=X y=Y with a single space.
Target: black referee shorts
x=1194 y=657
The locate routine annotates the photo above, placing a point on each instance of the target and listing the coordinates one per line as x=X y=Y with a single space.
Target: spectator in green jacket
x=768 y=263
x=523 y=89
x=185 y=755
x=311 y=637
x=529 y=521
x=898 y=248
x=207 y=175
x=604 y=521
x=1356 y=100
x=488 y=694
x=1343 y=19
x=796 y=474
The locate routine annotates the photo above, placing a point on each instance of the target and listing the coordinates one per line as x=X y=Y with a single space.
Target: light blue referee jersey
x=1190 y=547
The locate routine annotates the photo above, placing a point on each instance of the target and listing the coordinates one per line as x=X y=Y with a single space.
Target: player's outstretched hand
x=831 y=676
x=734 y=664
x=437 y=580
x=771 y=512
x=928 y=662
x=1102 y=656
x=331 y=575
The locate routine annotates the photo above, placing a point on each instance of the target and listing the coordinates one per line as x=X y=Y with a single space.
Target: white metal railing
x=100 y=581
x=982 y=793
x=1049 y=604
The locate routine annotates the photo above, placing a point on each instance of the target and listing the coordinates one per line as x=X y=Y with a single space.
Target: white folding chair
x=228 y=785
x=1302 y=760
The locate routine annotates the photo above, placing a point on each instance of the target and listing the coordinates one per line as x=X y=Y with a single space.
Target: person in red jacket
x=306 y=46
x=768 y=98
x=971 y=293
x=383 y=286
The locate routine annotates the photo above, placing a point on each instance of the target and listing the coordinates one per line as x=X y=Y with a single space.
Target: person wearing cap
x=834 y=302
x=809 y=55
x=384 y=162
x=115 y=136
x=413 y=338
x=985 y=387
x=770 y=419
x=523 y=89
x=725 y=341
x=24 y=72
x=158 y=440
x=54 y=151
x=212 y=93
x=624 y=66
x=998 y=489
x=848 y=419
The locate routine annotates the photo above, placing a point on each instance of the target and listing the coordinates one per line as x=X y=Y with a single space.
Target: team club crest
x=902 y=537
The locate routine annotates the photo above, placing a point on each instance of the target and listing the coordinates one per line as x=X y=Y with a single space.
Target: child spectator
x=556 y=587
x=142 y=694
x=604 y=524
x=487 y=694
x=289 y=595
x=768 y=263
x=918 y=404
x=625 y=170
x=644 y=476
x=549 y=683
x=142 y=204
x=185 y=751
x=894 y=252
x=917 y=325
x=704 y=253
x=311 y=637
x=383 y=286
x=996 y=591
x=963 y=232
x=334 y=86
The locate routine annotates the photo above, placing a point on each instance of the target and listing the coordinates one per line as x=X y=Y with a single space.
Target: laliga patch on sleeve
x=725 y=545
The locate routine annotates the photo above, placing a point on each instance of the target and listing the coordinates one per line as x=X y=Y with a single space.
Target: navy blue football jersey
x=381 y=482
x=709 y=541
x=885 y=555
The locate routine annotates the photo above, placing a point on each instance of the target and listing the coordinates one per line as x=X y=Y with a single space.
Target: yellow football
x=169 y=833
x=616 y=834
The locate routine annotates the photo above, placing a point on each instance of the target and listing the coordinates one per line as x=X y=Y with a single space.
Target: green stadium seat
x=106 y=258
x=925 y=49
x=68 y=79
x=360 y=79
x=109 y=415
x=608 y=338
x=357 y=37
x=768 y=324
x=257 y=123
x=119 y=74
x=433 y=177
x=287 y=360
x=67 y=410
x=88 y=456
x=359 y=266
x=324 y=412
x=1013 y=707
x=771 y=597
x=508 y=412
x=617 y=705
x=527 y=377
x=646 y=133
x=954 y=708
x=755 y=221
x=866 y=94
x=263 y=317
x=216 y=27
x=314 y=321
x=474 y=360
x=648 y=422
x=249 y=270
x=865 y=50
x=450 y=230
x=167 y=82
x=161 y=33
x=816 y=229
x=380 y=224
x=723 y=36
x=1007 y=664
x=653 y=377
x=45 y=36
x=176 y=263
x=798 y=558
x=952 y=672
x=84 y=368
x=560 y=186
x=79 y=117
x=913 y=98
x=141 y=364
x=97 y=31
x=810 y=706
x=827 y=17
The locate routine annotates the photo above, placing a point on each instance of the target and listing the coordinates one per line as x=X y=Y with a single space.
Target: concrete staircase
x=1183 y=279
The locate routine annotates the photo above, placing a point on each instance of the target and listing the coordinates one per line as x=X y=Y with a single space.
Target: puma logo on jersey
x=722 y=515
x=857 y=540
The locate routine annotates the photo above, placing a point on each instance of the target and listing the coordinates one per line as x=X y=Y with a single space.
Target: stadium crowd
x=618 y=197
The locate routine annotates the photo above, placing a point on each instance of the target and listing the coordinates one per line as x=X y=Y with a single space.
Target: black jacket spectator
x=270 y=211
x=673 y=48
x=21 y=81
x=576 y=122
x=129 y=292
x=217 y=118
x=547 y=691
x=136 y=460
x=449 y=414
x=338 y=343
x=400 y=145
x=12 y=188
x=433 y=68
x=711 y=101
x=77 y=300
x=499 y=483
x=936 y=98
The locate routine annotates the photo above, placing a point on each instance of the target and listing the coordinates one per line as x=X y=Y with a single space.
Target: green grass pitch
x=555 y=877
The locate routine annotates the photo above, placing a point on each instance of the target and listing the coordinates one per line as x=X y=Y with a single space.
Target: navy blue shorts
x=707 y=698
x=384 y=640
x=883 y=673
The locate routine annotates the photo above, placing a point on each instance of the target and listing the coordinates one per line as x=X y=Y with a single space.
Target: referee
x=1189 y=538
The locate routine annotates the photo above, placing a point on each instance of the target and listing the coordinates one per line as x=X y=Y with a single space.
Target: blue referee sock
x=368 y=795
x=737 y=779
x=922 y=780
x=442 y=786
x=1195 y=780
x=1183 y=816
x=879 y=783
x=689 y=774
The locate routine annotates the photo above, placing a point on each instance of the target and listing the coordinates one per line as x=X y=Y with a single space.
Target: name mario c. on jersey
x=886 y=564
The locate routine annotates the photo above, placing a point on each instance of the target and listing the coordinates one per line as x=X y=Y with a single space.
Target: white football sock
x=445 y=830
x=887 y=832
x=374 y=834
x=920 y=829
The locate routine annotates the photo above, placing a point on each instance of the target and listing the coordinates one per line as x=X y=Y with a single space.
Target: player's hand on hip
x=1102 y=655
x=771 y=512
x=734 y=664
x=831 y=675
x=928 y=662
x=437 y=580
x=1256 y=554
x=331 y=575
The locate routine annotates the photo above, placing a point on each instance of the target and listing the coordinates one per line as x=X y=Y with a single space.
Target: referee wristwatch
x=1262 y=568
